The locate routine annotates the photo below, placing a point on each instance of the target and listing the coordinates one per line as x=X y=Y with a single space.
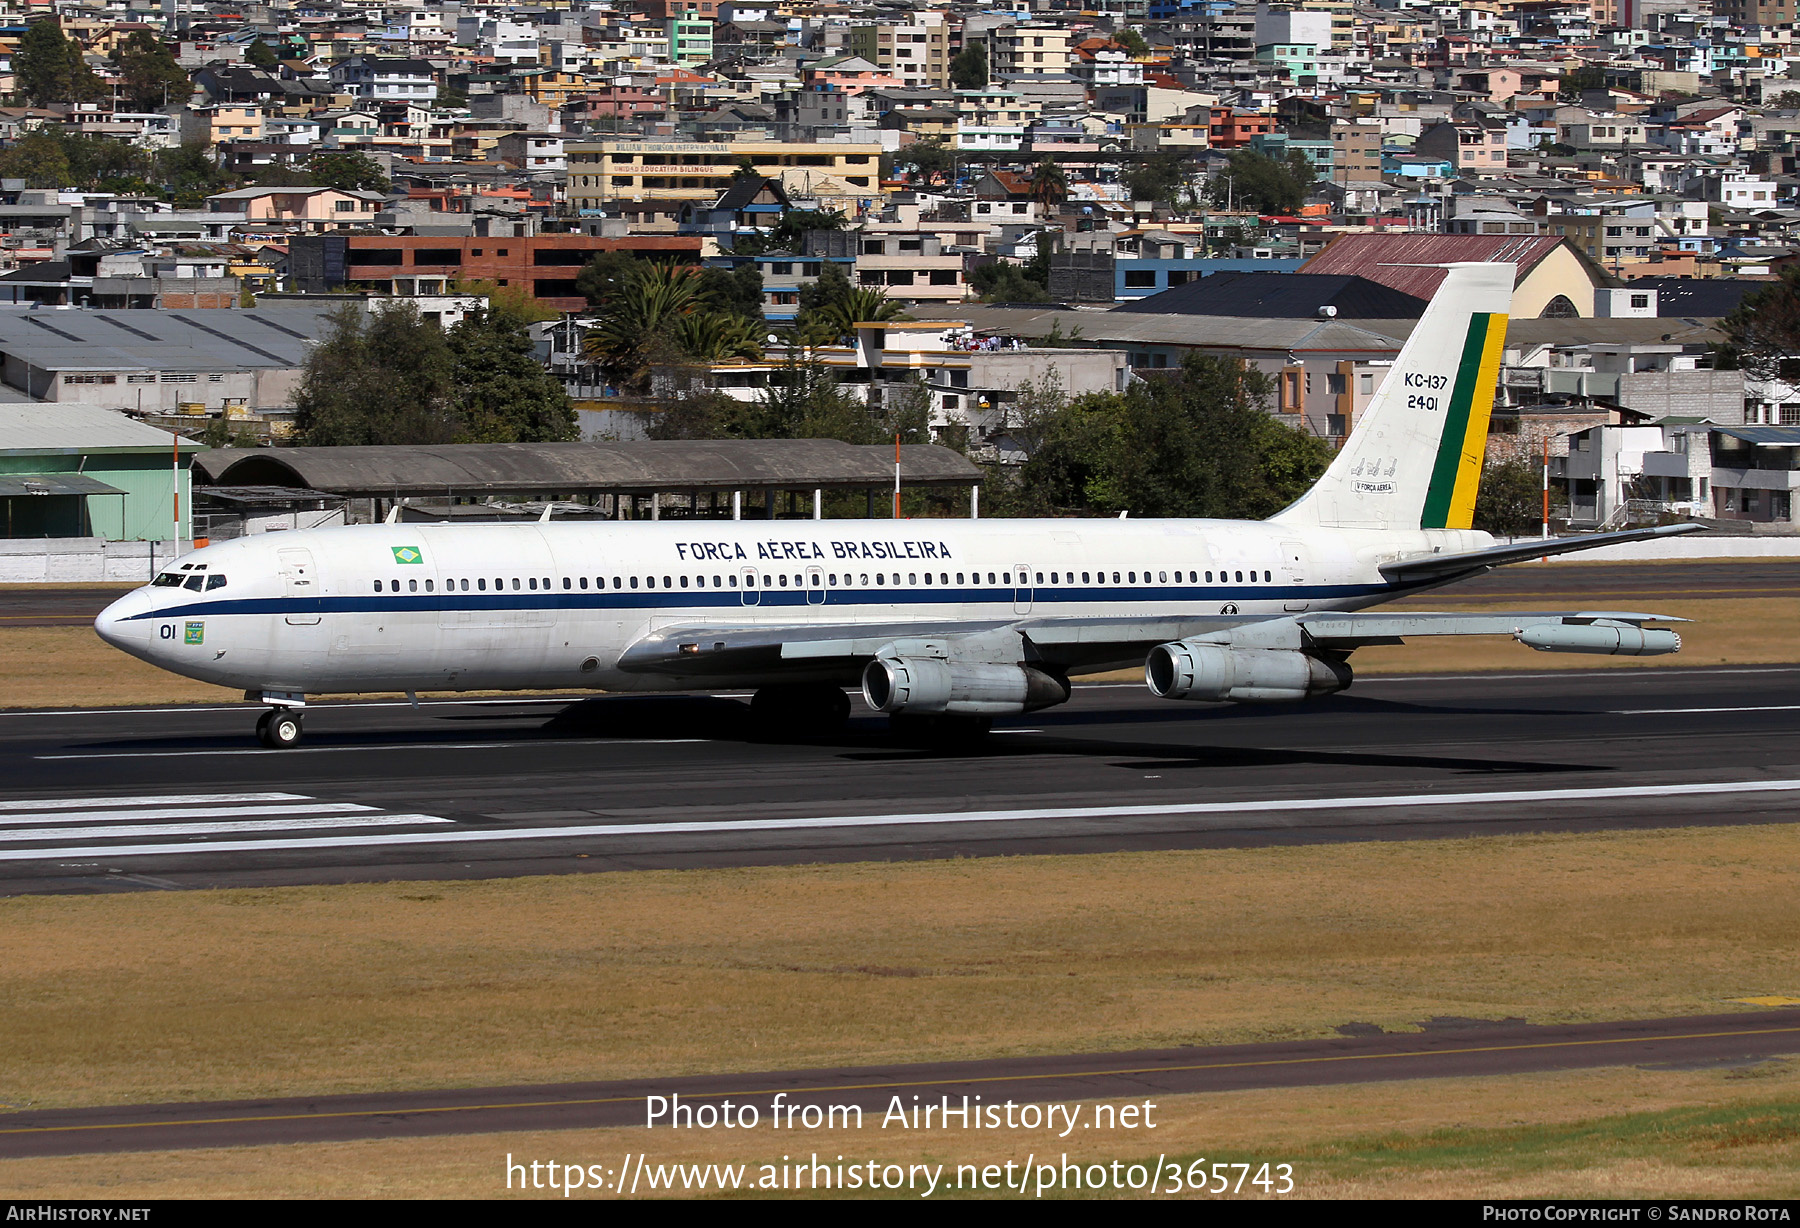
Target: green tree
x=48 y=67
x=260 y=55
x=1762 y=333
x=1587 y=77
x=40 y=160
x=514 y=304
x=387 y=378
x=712 y=336
x=1510 y=499
x=149 y=77
x=503 y=393
x=789 y=234
x=933 y=158
x=188 y=172
x=1005 y=282
x=1049 y=186
x=605 y=275
x=346 y=170
x=638 y=321
x=1132 y=41
x=1261 y=184
x=969 y=70
x=1160 y=176
x=1195 y=442
x=733 y=292
x=1786 y=100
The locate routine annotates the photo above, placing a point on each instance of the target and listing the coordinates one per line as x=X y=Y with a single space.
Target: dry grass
x=1724 y=631
x=237 y=993
x=1614 y=1133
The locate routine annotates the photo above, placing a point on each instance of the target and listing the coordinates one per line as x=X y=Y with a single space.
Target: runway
x=159 y=799
x=1445 y=1048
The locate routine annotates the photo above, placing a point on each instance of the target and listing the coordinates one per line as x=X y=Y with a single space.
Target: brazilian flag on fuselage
x=1450 y=500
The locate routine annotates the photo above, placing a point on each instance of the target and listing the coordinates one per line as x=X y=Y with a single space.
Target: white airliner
x=953 y=622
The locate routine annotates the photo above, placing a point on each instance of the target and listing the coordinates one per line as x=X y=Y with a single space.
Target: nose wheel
x=279 y=728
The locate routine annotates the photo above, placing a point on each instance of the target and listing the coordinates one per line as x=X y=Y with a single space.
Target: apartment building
x=916 y=53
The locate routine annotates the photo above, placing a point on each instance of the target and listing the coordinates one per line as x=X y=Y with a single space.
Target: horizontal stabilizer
x=1446 y=566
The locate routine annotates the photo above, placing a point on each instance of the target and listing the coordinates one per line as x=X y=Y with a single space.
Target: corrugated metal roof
x=1384 y=257
x=548 y=468
x=163 y=339
x=31 y=485
x=69 y=428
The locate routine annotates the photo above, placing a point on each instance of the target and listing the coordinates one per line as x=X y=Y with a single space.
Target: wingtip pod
x=1414 y=458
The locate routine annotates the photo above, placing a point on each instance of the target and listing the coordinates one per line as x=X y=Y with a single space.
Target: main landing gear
x=279 y=728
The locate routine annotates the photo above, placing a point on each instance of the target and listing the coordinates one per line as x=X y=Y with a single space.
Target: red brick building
x=543 y=265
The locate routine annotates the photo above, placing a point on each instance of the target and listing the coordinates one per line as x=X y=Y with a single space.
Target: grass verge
x=1608 y=1133
x=197 y=995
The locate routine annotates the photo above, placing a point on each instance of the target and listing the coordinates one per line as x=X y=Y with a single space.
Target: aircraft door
x=815 y=586
x=1293 y=563
x=298 y=580
x=1021 y=589
x=748 y=592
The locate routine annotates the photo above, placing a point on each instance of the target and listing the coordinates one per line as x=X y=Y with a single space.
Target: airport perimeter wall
x=83 y=560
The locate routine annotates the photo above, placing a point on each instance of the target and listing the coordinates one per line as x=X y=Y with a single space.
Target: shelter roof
x=650 y=465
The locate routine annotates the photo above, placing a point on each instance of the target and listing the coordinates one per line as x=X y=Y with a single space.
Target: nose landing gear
x=279 y=727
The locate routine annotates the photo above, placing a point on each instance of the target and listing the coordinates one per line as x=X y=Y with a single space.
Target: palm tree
x=713 y=336
x=1049 y=187
x=643 y=312
x=860 y=305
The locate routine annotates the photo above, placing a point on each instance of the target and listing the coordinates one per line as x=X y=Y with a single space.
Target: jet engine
x=1196 y=669
x=1605 y=637
x=929 y=685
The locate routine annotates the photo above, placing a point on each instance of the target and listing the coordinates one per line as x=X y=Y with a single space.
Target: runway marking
x=82 y=803
x=221 y=827
x=101 y=817
x=1698 y=711
x=411 y=748
x=592 y=831
x=897 y=1084
x=198 y=825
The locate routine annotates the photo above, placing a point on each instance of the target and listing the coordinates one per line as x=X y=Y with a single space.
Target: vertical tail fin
x=1414 y=459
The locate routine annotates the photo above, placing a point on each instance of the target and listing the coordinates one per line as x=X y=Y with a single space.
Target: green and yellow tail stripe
x=1450 y=501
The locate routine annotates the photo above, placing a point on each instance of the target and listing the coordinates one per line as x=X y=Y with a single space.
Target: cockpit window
x=168 y=579
x=213 y=582
x=195 y=582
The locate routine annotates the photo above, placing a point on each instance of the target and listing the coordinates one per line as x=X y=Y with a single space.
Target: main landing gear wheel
x=814 y=707
x=279 y=729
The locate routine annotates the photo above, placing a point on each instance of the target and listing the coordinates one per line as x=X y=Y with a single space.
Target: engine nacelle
x=1197 y=669
x=1604 y=638
x=929 y=685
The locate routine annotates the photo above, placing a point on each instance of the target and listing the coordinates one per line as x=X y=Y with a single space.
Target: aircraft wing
x=1074 y=644
x=1450 y=566
x=700 y=650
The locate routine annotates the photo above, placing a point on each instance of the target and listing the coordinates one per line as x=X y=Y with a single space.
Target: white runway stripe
x=191 y=799
x=195 y=812
x=29 y=834
x=1229 y=808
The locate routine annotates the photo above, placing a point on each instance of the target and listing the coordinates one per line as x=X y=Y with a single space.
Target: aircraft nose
x=117 y=627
